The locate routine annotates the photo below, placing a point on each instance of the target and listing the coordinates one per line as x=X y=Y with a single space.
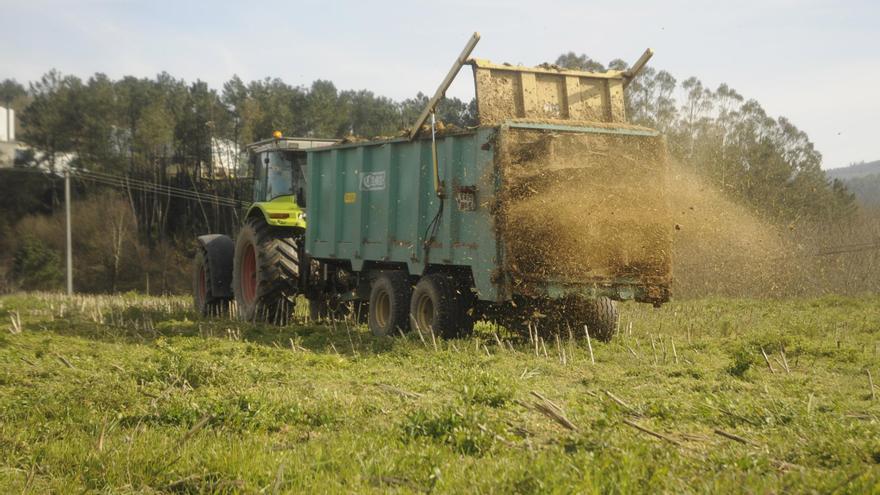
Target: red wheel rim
x=249 y=274
x=203 y=285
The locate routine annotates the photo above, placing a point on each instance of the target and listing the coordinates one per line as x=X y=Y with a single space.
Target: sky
x=814 y=62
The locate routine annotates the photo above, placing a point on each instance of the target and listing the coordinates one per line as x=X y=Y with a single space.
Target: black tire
x=440 y=306
x=269 y=292
x=206 y=304
x=389 y=304
x=602 y=318
x=569 y=315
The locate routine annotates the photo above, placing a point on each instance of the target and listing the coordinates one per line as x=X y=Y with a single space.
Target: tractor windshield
x=278 y=174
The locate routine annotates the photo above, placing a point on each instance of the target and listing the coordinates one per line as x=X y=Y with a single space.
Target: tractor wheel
x=439 y=306
x=602 y=318
x=205 y=303
x=389 y=303
x=265 y=272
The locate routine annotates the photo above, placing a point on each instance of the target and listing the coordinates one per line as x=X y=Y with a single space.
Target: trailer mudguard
x=220 y=249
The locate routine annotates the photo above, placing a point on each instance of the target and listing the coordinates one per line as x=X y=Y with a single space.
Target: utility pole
x=67 y=225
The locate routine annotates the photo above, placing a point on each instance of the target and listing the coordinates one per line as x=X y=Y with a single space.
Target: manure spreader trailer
x=541 y=216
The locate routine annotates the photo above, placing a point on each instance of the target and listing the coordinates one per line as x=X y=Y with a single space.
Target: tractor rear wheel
x=389 y=303
x=439 y=307
x=205 y=303
x=265 y=271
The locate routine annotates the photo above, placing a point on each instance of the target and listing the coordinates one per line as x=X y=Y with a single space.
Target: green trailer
x=497 y=240
x=543 y=216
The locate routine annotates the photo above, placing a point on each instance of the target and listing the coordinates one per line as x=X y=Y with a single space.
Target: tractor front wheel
x=265 y=271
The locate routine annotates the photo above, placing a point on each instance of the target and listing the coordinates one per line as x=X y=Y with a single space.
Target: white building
x=7 y=137
x=7 y=125
x=226 y=160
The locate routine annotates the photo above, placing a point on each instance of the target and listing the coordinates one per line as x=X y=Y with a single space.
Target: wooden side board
x=506 y=92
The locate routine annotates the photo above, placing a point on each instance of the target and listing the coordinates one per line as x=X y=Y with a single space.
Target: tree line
x=144 y=126
x=161 y=130
x=131 y=123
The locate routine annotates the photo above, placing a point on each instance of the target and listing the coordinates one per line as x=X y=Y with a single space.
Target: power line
x=146 y=186
x=123 y=184
x=126 y=182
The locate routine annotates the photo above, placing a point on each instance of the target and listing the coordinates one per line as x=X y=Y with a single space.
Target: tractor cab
x=278 y=167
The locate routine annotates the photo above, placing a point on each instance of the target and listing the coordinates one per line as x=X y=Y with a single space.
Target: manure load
x=585 y=207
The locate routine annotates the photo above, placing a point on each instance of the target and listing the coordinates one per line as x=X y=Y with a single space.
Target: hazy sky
x=816 y=62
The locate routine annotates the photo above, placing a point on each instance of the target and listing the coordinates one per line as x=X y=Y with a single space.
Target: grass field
x=134 y=394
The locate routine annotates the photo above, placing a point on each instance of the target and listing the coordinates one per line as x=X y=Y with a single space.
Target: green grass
x=134 y=394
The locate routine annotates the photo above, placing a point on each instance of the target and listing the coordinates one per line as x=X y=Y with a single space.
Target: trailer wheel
x=602 y=318
x=265 y=272
x=438 y=306
x=389 y=303
x=206 y=304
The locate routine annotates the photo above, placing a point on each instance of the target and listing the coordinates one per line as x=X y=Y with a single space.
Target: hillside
x=854 y=171
x=866 y=189
x=863 y=179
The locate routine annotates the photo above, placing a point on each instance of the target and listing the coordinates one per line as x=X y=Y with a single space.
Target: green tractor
x=260 y=269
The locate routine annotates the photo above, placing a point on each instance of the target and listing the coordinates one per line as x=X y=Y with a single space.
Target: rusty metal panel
x=509 y=92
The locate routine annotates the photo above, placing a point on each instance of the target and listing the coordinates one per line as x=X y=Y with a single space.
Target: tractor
x=260 y=269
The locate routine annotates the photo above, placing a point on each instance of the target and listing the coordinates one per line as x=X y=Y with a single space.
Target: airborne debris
x=584 y=206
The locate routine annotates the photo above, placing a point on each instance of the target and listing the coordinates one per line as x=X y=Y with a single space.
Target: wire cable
x=146 y=186
x=128 y=181
x=135 y=187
